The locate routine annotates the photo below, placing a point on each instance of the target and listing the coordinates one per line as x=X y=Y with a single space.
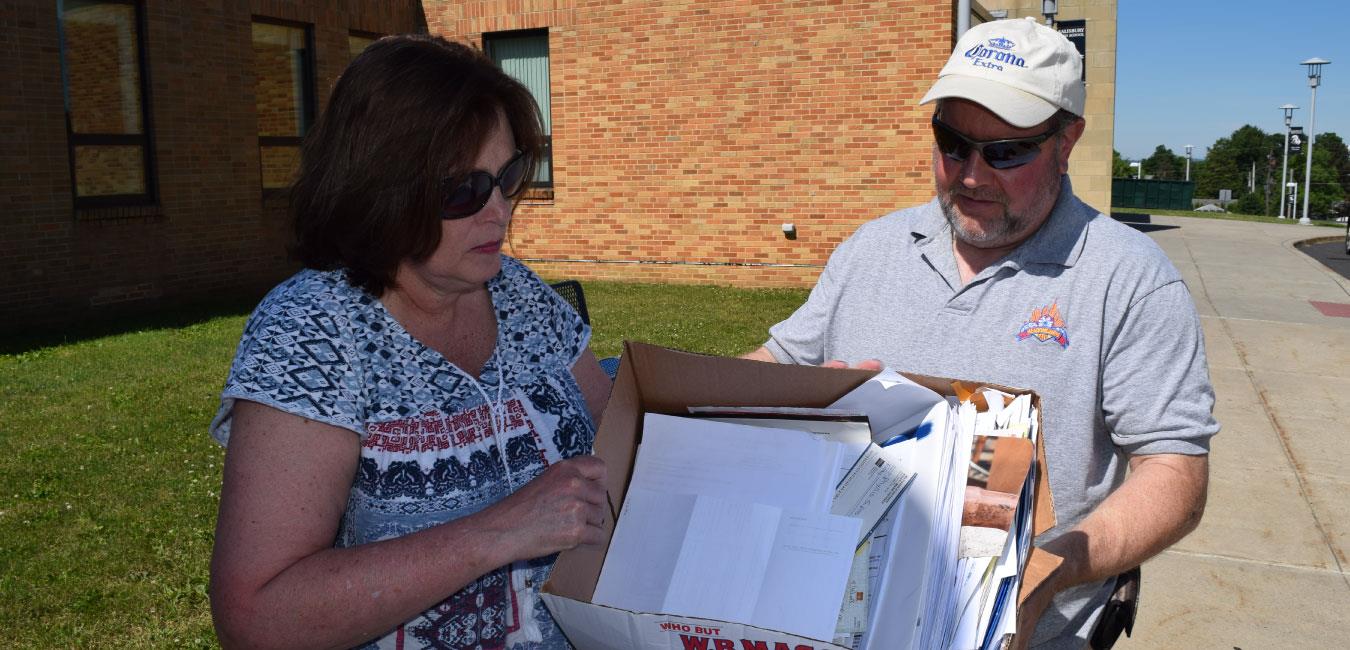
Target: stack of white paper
x=987 y=586
x=943 y=593
x=926 y=593
x=732 y=523
x=914 y=421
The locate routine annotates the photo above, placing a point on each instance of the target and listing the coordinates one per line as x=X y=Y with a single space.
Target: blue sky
x=1192 y=72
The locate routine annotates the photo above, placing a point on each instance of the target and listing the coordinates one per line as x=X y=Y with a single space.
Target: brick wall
x=211 y=230
x=685 y=133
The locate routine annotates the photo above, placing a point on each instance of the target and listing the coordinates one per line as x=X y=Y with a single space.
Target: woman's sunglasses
x=1000 y=154
x=464 y=196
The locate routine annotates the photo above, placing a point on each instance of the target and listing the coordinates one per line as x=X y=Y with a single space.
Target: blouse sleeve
x=546 y=323
x=296 y=357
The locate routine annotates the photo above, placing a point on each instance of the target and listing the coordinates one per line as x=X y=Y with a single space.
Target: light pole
x=1140 y=167
x=1314 y=77
x=1284 y=172
x=1049 y=8
x=1188 y=162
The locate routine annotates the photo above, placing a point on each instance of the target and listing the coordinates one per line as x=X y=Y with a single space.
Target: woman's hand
x=565 y=507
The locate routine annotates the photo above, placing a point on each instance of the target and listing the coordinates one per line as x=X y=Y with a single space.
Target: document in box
x=728 y=560
x=787 y=469
x=894 y=405
x=870 y=488
x=849 y=428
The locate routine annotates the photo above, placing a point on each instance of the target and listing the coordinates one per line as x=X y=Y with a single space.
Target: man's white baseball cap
x=1019 y=69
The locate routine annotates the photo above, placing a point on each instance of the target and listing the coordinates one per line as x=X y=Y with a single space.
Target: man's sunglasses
x=464 y=196
x=999 y=154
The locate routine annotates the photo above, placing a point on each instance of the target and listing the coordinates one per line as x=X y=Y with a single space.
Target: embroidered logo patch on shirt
x=1045 y=324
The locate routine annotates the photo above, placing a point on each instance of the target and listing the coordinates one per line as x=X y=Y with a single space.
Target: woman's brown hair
x=409 y=111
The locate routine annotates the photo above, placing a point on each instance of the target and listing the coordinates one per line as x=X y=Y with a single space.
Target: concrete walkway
x=1268 y=567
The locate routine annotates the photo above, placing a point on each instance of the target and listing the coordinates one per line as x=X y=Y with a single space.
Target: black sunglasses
x=1000 y=154
x=464 y=197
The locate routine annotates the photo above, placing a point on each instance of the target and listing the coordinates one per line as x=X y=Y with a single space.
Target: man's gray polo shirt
x=1087 y=312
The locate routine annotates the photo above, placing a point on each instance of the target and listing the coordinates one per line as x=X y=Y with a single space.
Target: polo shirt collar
x=1060 y=240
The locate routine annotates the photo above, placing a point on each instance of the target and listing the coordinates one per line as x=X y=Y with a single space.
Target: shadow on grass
x=102 y=325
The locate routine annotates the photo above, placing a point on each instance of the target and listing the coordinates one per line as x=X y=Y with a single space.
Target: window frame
x=308 y=98
x=144 y=139
x=537 y=189
x=361 y=33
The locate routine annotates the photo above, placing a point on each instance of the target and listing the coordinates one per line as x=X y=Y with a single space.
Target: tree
x=1250 y=203
x=1164 y=165
x=1120 y=168
x=1330 y=175
x=1339 y=157
x=1231 y=160
x=1228 y=165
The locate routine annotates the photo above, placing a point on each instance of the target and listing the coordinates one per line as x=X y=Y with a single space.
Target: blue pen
x=918 y=433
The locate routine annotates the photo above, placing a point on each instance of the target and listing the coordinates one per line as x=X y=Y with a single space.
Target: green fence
x=1144 y=193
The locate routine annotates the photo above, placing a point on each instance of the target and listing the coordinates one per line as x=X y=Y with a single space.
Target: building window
x=107 y=123
x=283 y=66
x=357 y=42
x=524 y=56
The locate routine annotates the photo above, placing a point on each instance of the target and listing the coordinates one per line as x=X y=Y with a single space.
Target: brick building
x=184 y=116
x=686 y=134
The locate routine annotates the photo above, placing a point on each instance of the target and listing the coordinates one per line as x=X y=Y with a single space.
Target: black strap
x=1118 y=614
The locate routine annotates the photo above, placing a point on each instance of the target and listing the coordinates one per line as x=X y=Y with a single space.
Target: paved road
x=1331 y=254
x=1268 y=566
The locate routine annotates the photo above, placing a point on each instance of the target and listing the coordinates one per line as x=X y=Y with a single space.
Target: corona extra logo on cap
x=997 y=53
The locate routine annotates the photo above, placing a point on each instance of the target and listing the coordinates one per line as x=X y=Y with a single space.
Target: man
x=1007 y=277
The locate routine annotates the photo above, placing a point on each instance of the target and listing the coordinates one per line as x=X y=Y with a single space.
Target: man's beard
x=996 y=234
x=1010 y=227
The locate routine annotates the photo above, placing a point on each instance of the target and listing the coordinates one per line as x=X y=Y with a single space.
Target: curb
x=1316 y=240
x=1293 y=245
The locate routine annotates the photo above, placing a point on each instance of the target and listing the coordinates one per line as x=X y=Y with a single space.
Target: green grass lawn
x=109 y=481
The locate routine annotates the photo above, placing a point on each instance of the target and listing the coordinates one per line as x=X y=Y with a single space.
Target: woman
x=408 y=419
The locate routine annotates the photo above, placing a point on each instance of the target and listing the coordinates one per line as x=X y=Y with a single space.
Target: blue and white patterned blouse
x=431 y=450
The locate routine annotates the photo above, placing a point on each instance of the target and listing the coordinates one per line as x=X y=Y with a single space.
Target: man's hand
x=760 y=354
x=866 y=364
x=1160 y=502
x=763 y=354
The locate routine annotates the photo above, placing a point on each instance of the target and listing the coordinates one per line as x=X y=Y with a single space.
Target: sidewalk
x=1268 y=567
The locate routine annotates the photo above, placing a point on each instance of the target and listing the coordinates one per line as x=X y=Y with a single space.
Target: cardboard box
x=658 y=380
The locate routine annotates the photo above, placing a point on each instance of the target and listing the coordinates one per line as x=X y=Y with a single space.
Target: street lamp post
x=1284 y=172
x=1188 y=162
x=1139 y=166
x=1314 y=78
